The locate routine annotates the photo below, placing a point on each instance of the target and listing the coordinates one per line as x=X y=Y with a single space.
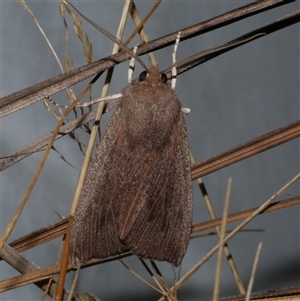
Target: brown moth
x=138 y=191
x=137 y=195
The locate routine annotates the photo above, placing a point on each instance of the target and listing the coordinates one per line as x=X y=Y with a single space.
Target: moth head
x=145 y=74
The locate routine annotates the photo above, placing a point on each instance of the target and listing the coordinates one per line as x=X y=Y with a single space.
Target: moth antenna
x=132 y=64
x=110 y=36
x=193 y=60
x=174 y=69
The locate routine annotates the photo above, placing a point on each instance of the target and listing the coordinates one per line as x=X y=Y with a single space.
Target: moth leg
x=86 y=104
x=174 y=70
x=131 y=65
x=51 y=100
x=185 y=111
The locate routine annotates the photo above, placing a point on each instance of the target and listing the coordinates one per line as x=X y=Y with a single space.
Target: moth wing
x=156 y=212
x=94 y=232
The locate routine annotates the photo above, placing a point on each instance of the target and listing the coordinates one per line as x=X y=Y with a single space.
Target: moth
x=137 y=195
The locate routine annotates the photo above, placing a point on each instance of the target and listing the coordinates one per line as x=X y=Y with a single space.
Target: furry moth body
x=138 y=192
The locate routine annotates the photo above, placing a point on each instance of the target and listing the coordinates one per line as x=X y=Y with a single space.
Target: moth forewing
x=94 y=230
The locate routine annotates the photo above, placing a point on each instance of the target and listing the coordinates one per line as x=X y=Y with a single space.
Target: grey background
x=238 y=96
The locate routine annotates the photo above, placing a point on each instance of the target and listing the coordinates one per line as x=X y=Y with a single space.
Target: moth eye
x=143 y=76
x=164 y=78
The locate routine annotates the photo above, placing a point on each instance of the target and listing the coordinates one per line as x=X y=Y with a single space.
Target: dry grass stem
x=26 y=7
x=38 y=275
x=286 y=294
x=140 y=29
x=213 y=216
x=250 y=285
x=161 y=288
x=167 y=289
x=236 y=230
x=74 y=284
x=213 y=233
x=231 y=156
x=25 y=97
x=244 y=214
x=221 y=243
x=141 y=278
x=57 y=229
x=246 y=150
x=15 y=218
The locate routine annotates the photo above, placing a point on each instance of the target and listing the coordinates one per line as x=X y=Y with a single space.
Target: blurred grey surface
x=236 y=97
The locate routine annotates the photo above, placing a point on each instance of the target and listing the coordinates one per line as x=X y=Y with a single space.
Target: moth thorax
x=154 y=129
